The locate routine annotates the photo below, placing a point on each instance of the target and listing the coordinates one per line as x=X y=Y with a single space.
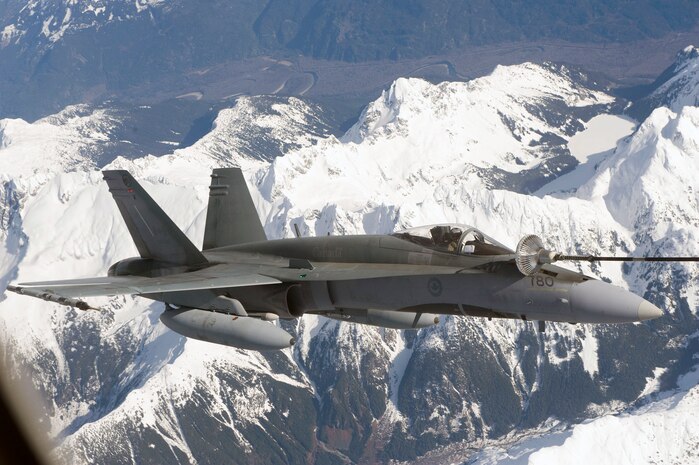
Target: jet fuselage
x=388 y=273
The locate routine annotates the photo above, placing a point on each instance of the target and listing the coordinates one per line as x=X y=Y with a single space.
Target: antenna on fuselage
x=296 y=230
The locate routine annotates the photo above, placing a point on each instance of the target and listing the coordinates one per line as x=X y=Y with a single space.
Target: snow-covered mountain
x=676 y=87
x=57 y=53
x=680 y=86
x=48 y=22
x=662 y=431
x=121 y=388
x=84 y=137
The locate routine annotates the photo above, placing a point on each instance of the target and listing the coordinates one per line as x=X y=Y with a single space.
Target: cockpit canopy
x=454 y=238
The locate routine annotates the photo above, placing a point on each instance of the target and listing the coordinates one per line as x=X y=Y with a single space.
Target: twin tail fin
x=231 y=218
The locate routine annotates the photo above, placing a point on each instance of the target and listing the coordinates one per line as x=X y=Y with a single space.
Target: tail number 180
x=542 y=281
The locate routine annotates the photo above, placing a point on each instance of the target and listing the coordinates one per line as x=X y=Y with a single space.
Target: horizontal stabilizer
x=154 y=233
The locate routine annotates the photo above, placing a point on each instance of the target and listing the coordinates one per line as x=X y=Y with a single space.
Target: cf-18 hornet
x=232 y=290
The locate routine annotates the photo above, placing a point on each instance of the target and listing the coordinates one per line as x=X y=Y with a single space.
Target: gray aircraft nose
x=648 y=311
x=599 y=302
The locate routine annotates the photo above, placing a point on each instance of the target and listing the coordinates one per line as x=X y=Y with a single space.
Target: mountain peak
x=118 y=381
x=677 y=86
x=690 y=52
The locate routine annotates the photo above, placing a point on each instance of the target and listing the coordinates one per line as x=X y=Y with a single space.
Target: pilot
x=445 y=237
x=439 y=235
x=453 y=239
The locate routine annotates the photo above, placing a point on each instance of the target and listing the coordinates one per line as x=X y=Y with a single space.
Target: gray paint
x=371 y=279
x=231 y=217
x=153 y=232
x=385 y=318
x=230 y=330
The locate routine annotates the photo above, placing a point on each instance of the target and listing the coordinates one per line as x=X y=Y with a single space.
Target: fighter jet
x=232 y=290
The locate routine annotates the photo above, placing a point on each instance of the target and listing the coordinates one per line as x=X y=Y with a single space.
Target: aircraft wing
x=332 y=271
x=220 y=276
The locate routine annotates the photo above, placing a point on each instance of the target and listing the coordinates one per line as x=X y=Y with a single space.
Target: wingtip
x=49 y=296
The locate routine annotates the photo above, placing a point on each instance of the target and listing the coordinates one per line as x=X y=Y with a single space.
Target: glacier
x=118 y=387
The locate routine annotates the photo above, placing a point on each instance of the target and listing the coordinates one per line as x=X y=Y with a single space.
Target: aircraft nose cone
x=648 y=311
x=599 y=302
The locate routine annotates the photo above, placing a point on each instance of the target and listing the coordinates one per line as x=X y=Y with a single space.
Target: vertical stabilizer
x=153 y=232
x=231 y=217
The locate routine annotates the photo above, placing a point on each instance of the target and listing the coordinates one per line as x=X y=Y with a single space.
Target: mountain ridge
x=70 y=52
x=121 y=388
